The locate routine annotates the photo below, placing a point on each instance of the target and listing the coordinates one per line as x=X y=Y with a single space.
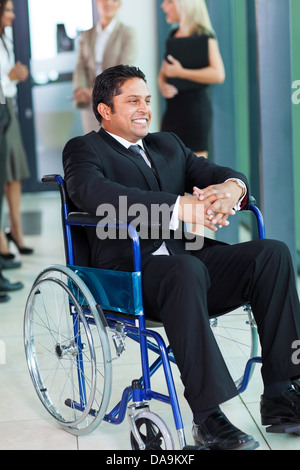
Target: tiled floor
x=24 y=423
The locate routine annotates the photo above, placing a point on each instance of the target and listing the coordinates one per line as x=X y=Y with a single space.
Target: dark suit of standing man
x=181 y=286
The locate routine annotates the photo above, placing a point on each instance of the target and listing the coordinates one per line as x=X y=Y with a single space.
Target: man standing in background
x=108 y=43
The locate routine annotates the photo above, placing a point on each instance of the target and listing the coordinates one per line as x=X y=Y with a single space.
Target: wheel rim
x=67 y=350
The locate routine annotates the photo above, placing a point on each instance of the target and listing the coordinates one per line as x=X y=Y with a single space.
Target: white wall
x=141 y=14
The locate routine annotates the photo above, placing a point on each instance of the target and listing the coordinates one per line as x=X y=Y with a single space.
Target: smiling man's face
x=131 y=114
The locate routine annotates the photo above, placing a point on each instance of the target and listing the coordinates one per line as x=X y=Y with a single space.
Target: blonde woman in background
x=184 y=80
x=108 y=43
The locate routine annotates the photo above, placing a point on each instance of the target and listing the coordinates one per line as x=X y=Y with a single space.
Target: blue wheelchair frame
x=126 y=304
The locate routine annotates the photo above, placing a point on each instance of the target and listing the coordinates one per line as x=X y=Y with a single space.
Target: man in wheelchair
x=185 y=283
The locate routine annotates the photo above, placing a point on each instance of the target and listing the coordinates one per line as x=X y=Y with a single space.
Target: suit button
x=157 y=244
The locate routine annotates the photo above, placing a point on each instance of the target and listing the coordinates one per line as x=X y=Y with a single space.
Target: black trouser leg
x=175 y=291
x=181 y=290
x=261 y=272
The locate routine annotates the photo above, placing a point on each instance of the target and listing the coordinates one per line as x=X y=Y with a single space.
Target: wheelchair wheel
x=67 y=350
x=153 y=431
x=236 y=335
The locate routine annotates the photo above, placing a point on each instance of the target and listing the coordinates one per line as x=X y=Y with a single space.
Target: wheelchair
x=76 y=321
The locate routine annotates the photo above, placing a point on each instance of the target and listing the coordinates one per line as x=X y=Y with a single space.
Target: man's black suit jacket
x=98 y=170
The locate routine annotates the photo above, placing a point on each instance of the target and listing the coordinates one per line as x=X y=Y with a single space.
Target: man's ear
x=104 y=111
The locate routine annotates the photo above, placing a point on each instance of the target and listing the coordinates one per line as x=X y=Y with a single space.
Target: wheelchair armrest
x=52 y=179
x=83 y=218
x=56 y=179
x=88 y=220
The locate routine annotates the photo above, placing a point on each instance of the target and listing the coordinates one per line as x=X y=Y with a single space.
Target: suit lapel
x=139 y=162
x=160 y=165
x=110 y=48
x=93 y=37
x=112 y=37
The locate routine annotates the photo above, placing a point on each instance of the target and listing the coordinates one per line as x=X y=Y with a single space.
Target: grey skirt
x=16 y=160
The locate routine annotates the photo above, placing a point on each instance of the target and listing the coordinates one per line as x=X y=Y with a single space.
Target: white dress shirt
x=103 y=36
x=7 y=62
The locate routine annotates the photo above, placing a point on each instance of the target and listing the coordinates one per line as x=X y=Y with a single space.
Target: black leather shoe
x=282 y=414
x=7 y=286
x=217 y=433
x=8 y=256
x=4 y=298
x=9 y=264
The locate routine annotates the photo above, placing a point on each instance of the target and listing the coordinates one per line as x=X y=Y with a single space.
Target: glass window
x=54 y=34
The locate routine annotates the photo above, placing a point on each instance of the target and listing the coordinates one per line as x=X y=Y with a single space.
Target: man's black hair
x=109 y=84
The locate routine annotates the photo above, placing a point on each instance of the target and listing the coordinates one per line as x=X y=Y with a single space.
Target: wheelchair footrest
x=76 y=406
x=286 y=428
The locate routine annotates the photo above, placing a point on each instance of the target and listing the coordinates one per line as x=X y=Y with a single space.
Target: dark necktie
x=136 y=149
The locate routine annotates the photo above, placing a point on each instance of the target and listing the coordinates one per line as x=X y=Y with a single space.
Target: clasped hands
x=211 y=206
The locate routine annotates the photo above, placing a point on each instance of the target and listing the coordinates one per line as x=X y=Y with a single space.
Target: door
x=46 y=36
